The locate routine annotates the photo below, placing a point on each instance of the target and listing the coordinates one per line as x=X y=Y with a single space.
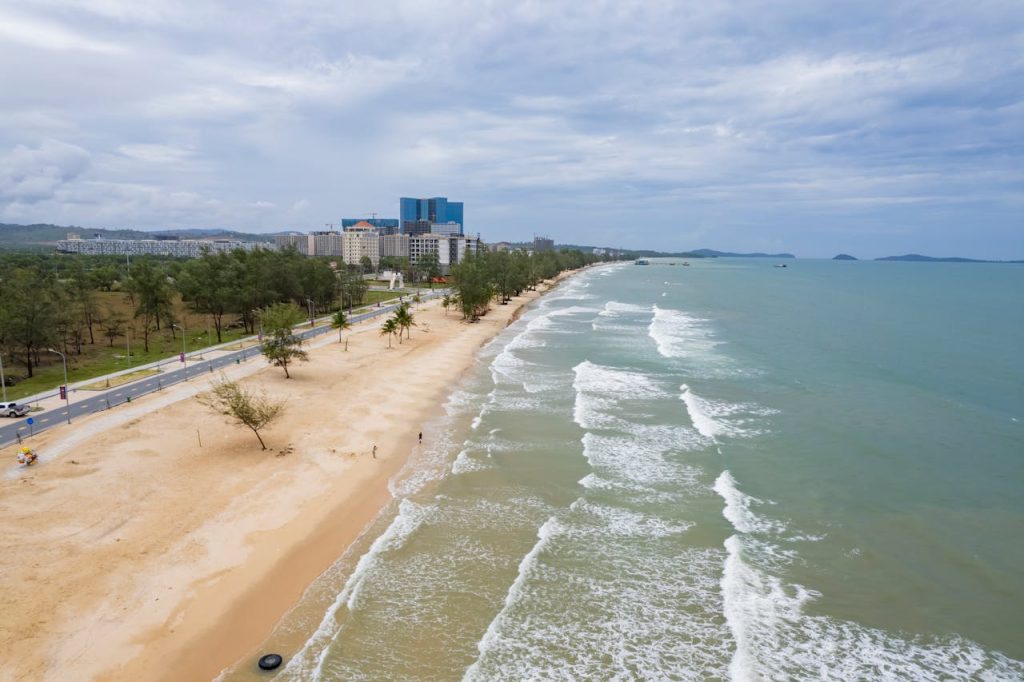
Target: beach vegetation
x=282 y=346
x=405 y=320
x=340 y=322
x=249 y=408
x=390 y=327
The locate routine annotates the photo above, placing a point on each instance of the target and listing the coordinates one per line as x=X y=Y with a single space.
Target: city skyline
x=867 y=128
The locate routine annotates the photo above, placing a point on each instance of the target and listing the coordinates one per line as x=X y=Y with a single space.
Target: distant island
x=918 y=258
x=711 y=253
x=844 y=256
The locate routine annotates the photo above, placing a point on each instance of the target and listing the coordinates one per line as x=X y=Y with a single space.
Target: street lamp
x=258 y=314
x=3 y=382
x=184 y=340
x=128 y=340
x=309 y=304
x=67 y=392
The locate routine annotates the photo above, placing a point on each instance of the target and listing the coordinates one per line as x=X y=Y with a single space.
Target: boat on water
x=686 y=264
x=642 y=261
x=781 y=265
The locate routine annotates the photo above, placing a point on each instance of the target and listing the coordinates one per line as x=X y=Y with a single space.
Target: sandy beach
x=157 y=541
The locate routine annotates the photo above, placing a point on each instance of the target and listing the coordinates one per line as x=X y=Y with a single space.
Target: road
x=20 y=428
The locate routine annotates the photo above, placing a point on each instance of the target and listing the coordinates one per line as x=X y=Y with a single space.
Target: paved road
x=10 y=433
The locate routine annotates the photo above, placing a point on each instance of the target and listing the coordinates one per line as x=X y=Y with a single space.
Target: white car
x=13 y=410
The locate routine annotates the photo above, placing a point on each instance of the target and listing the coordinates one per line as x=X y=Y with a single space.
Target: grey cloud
x=31 y=175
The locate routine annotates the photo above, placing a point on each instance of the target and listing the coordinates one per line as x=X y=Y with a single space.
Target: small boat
x=781 y=265
x=686 y=264
x=642 y=261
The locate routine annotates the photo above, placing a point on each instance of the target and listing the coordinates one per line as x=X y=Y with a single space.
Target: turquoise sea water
x=723 y=471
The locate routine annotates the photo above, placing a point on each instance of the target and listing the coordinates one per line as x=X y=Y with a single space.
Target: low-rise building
x=179 y=248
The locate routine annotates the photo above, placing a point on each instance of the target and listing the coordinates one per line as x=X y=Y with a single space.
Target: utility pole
x=309 y=304
x=3 y=382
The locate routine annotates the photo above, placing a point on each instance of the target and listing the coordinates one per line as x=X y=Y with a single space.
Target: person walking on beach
x=375 y=451
x=421 y=436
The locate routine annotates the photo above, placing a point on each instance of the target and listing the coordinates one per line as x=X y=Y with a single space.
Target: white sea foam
x=678 y=335
x=465 y=463
x=775 y=639
x=609 y=520
x=644 y=607
x=599 y=389
x=641 y=456
x=526 y=566
x=310 y=658
x=617 y=309
x=738 y=507
x=696 y=408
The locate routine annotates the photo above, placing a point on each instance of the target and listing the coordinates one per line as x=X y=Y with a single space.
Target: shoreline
x=270 y=531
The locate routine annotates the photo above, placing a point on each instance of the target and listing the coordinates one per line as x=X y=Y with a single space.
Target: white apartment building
x=325 y=244
x=180 y=248
x=300 y=242
x=450 y=249
x=394 y=245
x=358 y=241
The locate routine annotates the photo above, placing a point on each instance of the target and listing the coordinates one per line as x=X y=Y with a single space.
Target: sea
x=724 y=470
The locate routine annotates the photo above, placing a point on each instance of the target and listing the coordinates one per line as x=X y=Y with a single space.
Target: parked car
x=13 y=410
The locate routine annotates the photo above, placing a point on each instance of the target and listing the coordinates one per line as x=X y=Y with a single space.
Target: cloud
x=37 y=33
x=678 y=118
x=31 y=175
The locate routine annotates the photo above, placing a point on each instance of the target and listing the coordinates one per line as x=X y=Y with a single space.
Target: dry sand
x=130 y=547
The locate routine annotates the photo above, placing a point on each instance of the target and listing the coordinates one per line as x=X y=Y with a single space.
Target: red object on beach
x=63 y=392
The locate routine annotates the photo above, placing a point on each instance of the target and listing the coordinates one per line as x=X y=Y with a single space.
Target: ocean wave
x=776 y=639
x=678 y=335
x=464 y=463
x=308 y=661
x=738 y=507
x=645 y=607
x=617 y=309
x=528 y=564
x=640 y=457
x=605 y=520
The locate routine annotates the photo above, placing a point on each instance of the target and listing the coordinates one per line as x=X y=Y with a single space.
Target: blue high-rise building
x=417 y=215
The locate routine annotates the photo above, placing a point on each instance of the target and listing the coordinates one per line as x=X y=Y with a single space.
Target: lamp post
x=258 y=314
x=67 y=392
x=3 y=382
x=184 y=350
x=309 y=304
x=128 y=340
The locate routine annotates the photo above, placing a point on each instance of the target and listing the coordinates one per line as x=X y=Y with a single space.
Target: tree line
x=52 y=301
x=500 y=275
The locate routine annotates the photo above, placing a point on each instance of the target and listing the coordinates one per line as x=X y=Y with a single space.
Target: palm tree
x=389 y=328
x=341 y=323
x=405 y=319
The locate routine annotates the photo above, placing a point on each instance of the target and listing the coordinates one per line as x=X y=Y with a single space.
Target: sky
x=871 y=128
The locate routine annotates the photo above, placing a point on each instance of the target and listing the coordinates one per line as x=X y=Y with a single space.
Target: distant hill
x=918 y=258
x=45 y=237
x=843 y=256
x=711 y=253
